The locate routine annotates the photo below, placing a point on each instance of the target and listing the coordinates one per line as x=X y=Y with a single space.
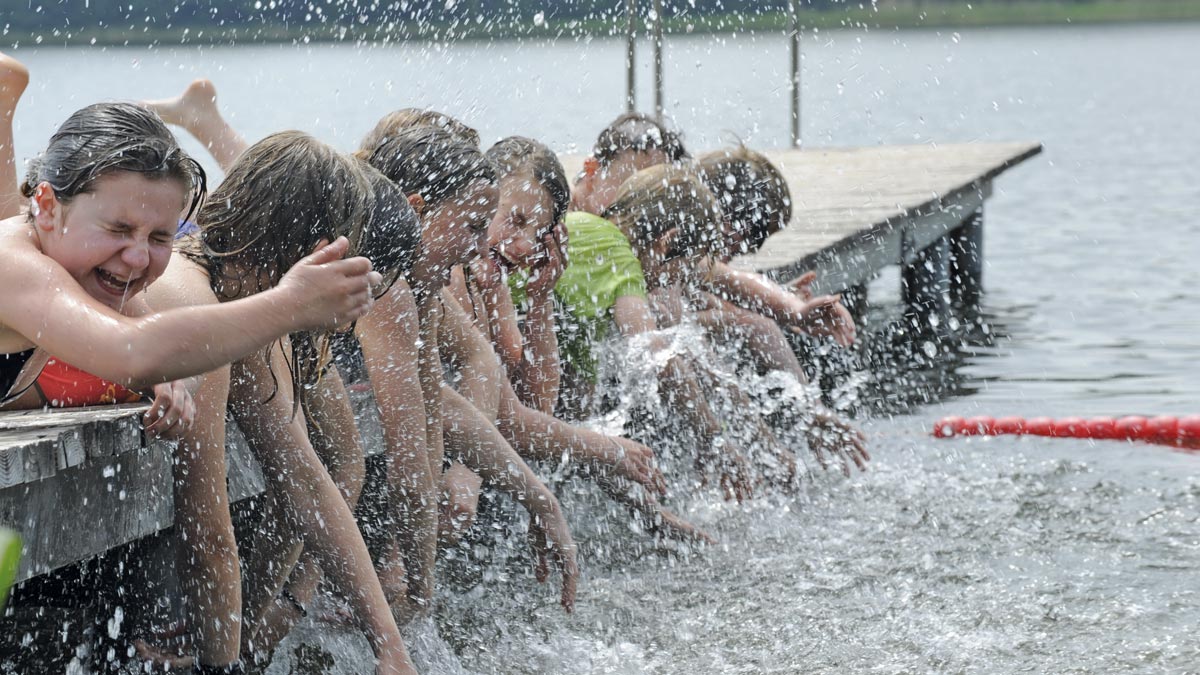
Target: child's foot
x=14 y=77
x=194 y=108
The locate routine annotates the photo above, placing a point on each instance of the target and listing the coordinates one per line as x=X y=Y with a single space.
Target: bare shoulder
x=24 y=269
x=182 y=284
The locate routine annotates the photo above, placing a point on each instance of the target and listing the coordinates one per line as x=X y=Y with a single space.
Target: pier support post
x=925 y=286
x=855 y=301
x=966 y=262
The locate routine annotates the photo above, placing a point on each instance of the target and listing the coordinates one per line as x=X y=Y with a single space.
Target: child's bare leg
x=196 y=111
x=14 y=77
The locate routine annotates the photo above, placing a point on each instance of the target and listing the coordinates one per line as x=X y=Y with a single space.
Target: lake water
x=988 y=555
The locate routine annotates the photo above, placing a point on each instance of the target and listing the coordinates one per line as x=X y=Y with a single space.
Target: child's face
x=455 y=230
x=596 y=193
x=115 y=239
x=524 y=217
x=730 y=241
x=664 y=263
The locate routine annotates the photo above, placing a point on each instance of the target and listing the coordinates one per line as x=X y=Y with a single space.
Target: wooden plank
x=85 y=510
x=849 y=205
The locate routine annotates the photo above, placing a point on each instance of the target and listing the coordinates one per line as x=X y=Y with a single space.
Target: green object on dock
x=10 y=559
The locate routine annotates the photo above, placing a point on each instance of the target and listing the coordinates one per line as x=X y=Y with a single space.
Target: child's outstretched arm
x=312 y=503
x=819 y=316
x=43 y=300
x=472 y=439
x=390 y=338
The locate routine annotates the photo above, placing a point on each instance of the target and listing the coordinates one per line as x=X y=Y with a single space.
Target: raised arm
x=47 y=306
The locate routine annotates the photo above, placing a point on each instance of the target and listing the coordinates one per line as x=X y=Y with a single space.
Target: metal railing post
x=631 y=56
x=658 y=60
x=794 y=10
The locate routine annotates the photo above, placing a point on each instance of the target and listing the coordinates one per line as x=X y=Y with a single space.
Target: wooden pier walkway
x=78 y=483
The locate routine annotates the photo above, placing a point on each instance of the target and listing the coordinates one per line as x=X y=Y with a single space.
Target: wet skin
x=116 y=239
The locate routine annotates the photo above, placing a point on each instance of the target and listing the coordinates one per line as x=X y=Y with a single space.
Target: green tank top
x=601 y=268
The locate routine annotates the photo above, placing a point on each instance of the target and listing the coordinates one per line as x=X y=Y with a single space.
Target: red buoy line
x=1164 y=430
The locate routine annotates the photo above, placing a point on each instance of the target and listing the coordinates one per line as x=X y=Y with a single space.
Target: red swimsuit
x=65 y=386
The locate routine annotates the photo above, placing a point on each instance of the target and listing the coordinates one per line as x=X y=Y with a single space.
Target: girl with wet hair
x=284 y=196
x=105 y=200
x=525 y=243
x=753 y=194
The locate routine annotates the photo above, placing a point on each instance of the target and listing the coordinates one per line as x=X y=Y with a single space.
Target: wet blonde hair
x=753 y=193
x=661 y=198
x=408 y=118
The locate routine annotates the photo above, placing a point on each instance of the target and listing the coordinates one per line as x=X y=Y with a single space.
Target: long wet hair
x=640 y=133
x=410 y=118
x=283 y=196
x=661 y=198
x=753 y=193
x=107 y=137
x=516 y=155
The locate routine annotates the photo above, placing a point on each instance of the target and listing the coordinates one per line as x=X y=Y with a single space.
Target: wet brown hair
x=430 y=162
x=638 y=132
x=106 y=137
x=283 y=196
x=752 y=191
x=409 y=118
x=655 y=200
x=516 y=155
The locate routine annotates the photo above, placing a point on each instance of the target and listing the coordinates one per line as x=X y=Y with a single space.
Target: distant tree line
x=73 y=15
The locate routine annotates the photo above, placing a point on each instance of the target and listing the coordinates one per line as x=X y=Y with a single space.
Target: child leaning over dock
x=105 y=202
x=281 y=197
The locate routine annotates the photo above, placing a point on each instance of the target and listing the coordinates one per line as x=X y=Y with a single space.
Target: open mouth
x=502 y=261
x=113 y=284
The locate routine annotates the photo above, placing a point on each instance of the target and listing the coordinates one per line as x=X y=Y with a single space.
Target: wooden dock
x=78 y=483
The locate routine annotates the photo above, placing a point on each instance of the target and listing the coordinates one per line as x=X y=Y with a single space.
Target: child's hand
x=326 y=292
x=551 y=541
x=547 y=273
x=802 y=286
x=830 y=436
x=172 y=412
x=636 y=463
x=736 y=479
x=825 y=316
